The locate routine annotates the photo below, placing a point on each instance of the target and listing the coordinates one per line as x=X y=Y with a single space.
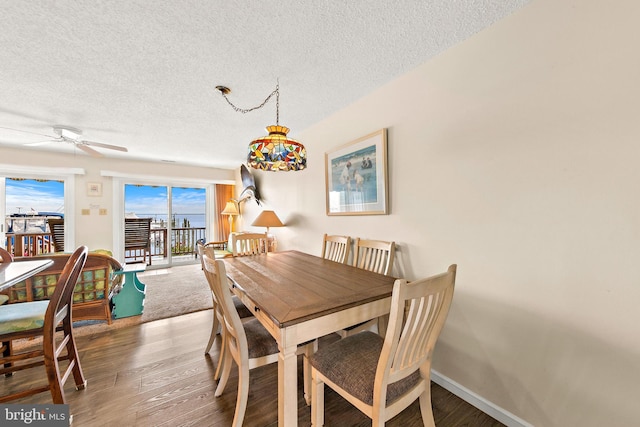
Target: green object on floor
x=130 y=300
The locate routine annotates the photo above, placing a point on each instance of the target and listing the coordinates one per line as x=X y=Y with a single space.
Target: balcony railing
x=183 y=242
x=29 y=244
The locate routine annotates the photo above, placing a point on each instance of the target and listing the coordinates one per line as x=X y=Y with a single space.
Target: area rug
x=169 y=292
x=175 y=291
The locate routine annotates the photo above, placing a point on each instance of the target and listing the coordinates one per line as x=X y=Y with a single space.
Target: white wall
x=514 y=155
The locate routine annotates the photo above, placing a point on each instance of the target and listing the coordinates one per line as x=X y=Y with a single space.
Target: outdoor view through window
x=177 y=216
x=29 y=203
x=180 y=210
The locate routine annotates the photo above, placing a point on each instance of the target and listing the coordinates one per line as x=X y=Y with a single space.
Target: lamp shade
x=267 y=219
x=277 y=152
x=230 y=209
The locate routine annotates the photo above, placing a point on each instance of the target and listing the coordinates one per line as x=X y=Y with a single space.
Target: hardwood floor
x=155 y=374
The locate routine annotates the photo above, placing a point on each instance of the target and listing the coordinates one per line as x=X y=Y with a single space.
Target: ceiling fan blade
x=100 y=144
x=89 y=150
x=27 y=131
x=37 y=143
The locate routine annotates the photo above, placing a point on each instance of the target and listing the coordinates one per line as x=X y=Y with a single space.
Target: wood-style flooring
x=156 y=374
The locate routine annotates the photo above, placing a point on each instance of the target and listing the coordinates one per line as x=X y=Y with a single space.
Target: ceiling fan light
x=276 y=152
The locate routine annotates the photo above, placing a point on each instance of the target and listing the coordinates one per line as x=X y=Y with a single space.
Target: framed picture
x=356 y=176
x=94 y=189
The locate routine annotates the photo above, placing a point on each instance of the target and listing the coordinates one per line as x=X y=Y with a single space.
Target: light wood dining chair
x=376 y=256
x=243 y=311
x=247 y=343
x=336 y=248
x=42 y=319
x=383 y=376
x=249 y=244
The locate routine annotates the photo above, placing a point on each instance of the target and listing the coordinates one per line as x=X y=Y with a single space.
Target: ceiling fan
x=74 y=136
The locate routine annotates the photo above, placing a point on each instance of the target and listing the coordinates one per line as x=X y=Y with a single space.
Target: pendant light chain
x=276 y=151
x=276 y=92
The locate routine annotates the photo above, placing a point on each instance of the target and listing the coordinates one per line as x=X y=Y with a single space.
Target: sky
x=24 y=195
x=148 y=199
x=29 y=195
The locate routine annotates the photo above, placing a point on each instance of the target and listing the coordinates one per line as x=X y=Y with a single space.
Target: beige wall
x=514 y=155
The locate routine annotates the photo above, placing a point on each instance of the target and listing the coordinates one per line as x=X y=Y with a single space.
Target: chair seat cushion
x=22 y=316
x=259 y=340
x=242 y=309
x=351 y=364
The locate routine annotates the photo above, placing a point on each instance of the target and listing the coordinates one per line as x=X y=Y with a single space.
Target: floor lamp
x=230 y=210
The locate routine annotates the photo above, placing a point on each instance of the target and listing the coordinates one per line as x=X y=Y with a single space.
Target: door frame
x=119 y=181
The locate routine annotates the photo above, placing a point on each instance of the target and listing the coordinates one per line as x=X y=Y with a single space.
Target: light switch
x=103 y=211
x=86 y=212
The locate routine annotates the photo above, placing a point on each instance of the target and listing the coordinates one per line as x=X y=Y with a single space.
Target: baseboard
x=500 y=414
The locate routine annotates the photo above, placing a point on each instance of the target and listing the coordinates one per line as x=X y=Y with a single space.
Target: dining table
x=17 y=271
x=300 y=297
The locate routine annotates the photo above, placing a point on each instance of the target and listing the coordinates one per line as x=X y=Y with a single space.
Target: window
x=45 y=190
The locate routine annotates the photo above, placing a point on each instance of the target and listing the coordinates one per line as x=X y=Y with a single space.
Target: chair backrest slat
x=60 y=302
x=412 y=333
x=374 y=255
x=336 y=248
x=249 y=244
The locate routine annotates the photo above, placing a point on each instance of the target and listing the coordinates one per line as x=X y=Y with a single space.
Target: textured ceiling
x=142 y=74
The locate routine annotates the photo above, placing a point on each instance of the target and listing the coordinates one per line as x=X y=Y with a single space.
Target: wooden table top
x=292 y=287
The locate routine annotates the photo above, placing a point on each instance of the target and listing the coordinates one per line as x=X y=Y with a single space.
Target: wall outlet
x=102 y=211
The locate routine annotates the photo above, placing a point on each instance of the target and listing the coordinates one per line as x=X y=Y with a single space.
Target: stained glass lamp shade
x=276 y=152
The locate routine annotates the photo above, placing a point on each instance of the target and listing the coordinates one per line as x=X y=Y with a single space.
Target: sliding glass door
x=178 y=219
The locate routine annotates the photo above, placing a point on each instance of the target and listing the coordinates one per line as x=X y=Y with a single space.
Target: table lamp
x=232 y=211
x=268 y=219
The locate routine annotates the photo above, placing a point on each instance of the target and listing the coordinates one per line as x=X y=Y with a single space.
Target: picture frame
x=356 y=176
x=94 y=189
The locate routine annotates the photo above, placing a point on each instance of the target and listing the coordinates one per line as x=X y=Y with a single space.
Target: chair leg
x=309 y=349
x=74 y=357
x=317 y=401
x=243 y=396
x=214 y=331
x=222 y=357
x=425 y=407
x=226 y=370
x=7 y=350
x=52 y=368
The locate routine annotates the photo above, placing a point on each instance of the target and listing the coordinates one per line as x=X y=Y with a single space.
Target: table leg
x=288 y=387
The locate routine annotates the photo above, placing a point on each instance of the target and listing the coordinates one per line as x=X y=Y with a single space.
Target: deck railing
x=183 y=242
x=29 y=244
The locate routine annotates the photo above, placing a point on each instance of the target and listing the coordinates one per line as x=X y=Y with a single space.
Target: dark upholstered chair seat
x=242 y=309
x=351 y=364
x=259 y=340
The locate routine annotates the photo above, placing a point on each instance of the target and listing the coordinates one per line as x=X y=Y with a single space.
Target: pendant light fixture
x=276 y=151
